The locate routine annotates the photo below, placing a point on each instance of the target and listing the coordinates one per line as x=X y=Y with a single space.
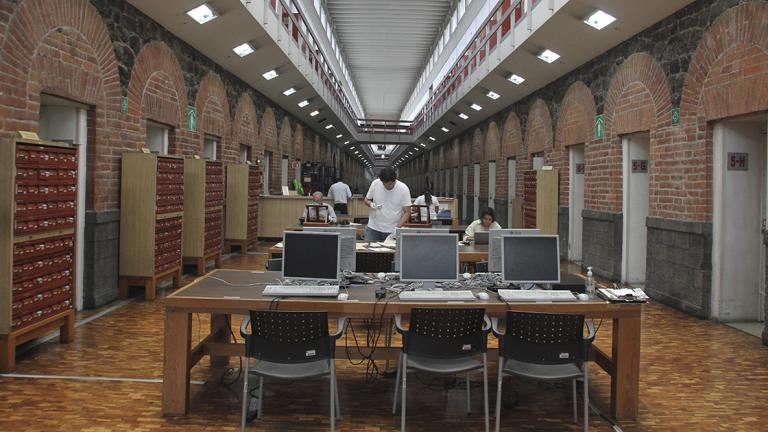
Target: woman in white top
x=486 y=222
x=428 y=200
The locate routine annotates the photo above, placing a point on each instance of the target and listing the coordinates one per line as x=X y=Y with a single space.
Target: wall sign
x=123 y=104
x=191 y=118
x=675 y=116
x=599 y=126
x=579 y=168
x=639 y=166
x=738 y=161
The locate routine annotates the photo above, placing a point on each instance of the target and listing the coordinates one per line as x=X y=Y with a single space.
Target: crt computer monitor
x=348 y=240
x=399 y=231
x=429 y=258
x=311 y=255
x=530 y=259
x=494 y=244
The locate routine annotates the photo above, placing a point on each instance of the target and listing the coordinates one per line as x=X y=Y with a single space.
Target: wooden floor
x=696 y=376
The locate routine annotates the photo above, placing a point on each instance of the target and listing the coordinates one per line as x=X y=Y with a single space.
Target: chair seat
x=291 y=370
x=444 y=365
x=537 y=371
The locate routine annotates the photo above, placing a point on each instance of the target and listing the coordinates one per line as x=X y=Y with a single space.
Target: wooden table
x=206 y=295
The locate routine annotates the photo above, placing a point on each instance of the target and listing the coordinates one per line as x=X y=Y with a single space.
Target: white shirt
x=386 y=218
x=432 y=209
x=340 y=193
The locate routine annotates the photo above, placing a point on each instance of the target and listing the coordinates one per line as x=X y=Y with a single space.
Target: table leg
x=67 y=330
x=220 y=325
x=625 y=382
x=178 y=339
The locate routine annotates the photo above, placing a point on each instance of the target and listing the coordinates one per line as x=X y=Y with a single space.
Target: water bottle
x=590 y=284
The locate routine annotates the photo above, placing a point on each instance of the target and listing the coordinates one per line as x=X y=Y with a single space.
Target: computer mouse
x=343 y=296
x=467 y=275
x=381 y=275
x=482 y=295
x=582 y=297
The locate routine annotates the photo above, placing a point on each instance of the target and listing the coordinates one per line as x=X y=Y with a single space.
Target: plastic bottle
x=590 y=283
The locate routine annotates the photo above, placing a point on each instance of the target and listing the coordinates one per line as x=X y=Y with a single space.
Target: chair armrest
x=487 y=324
x=495 y=328
x=244 y=327
x=591 y=328
x=340 y=326
x=399 y=324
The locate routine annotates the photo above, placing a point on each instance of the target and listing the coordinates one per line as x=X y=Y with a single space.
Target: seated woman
x=486 y=222
x=428 y=200
x=317 y=199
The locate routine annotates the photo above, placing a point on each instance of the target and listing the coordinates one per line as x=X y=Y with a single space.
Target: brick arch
x=538 y=131
x=245 y=126
x=316 y=149
x=456 y=153
x=575 y=125
x=268 y=132
x=91 y=77
x=492 y=143
x=478 y=153
x=298 y=142
x=213 y=114
x=157 y=87
x=512 y=137
x=284 y=142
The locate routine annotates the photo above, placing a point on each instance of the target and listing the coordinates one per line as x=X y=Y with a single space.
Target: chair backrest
x=275 y=264
x=446 y=332
x=288 y=337
x=481 y=266
x=544 y=338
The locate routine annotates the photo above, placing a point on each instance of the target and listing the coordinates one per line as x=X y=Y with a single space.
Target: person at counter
x=340 y=193
x=317 y=199
x=390 y=203
x=486 y=222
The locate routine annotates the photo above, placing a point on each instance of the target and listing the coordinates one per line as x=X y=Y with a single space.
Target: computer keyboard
x=536 y=295
x=301 y=290
x=420 y=295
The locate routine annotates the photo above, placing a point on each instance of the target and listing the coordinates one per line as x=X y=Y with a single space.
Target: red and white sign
x=738 y=161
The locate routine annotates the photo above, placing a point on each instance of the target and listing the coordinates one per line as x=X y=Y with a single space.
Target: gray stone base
x=101 y=250
x=679 y=264
x=562 y=231
x=500 y=207
x=601 y=242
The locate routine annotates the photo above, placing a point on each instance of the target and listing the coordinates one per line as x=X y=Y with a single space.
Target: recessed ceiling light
x=516 y=79
x=444 y=129
x=269 y=75
x=463 y=116
x=422 y=144
x=290 y=91
x=432 y=138
x=303 y=103
x=243 y=49
x=202 y=13
x=549 y=56
x=329 y=126
x=599 y=19
x=357 y=151
x=346 y=142
x=314 y=113
x=493 y=95
x=476 y=107
x=339 y=136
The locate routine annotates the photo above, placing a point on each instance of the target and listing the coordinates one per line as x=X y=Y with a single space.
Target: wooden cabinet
x=151 y=212
x=203 y=209
x=540 y=200
x=244 y=186
x=38 y=222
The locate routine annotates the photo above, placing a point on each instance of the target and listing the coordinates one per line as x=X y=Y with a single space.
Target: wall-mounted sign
x=639 y=166
x=738 y=161
x=599 y=126
x=579 y=168
x=191 y=118
x=123 y=104
x=675 y=116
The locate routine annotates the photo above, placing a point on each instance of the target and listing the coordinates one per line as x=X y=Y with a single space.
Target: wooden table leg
x=220 y=325
x=625 y=382
x=7 y=353
x=67 y=330
x=178 y=339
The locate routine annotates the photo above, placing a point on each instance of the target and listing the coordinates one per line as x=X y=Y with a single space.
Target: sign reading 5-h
x=738 y=161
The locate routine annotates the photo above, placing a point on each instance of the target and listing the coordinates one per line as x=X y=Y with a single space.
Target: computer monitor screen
x=481 y=237
x=494 y=245
x=311 y=255
x=399 y=231
x=348 y=240
x=429 y=257
x=530 y=259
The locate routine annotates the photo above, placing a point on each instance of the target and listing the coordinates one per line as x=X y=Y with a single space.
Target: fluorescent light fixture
x=329 y=126
x=243 y=49
x=549 y=56
x=599 y=19
x=314 y=113
x=269 y=75
x=203 y=13
x=432 y=138
x=516 y=79
x=357 y=151
x=444 y=129
x=290 y=91
x=346 y=142
x=493 y=95
x=303 y=103
x=339 y=136
x=422 y=144
x=463 y=116
x=476 y=107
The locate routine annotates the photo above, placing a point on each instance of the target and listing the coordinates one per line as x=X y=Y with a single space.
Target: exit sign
x=639 y=166
x=738 y=161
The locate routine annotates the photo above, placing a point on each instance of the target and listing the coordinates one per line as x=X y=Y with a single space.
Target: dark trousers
x=340 y=208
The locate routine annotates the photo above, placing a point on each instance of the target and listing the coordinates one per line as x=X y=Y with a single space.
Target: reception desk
x=277 y=211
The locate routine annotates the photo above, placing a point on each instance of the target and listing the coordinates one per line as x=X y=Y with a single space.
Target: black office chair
x=289 y=345
x=443 y=341
x=481 y=267
x=545 y=346
x=275 y=264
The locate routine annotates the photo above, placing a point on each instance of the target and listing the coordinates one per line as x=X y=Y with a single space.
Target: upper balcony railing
x=497 y=26
x=384 y=126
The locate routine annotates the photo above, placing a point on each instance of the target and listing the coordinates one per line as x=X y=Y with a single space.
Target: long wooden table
x=220 y=300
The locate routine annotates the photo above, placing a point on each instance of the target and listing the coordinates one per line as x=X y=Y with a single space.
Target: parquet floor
x=696 y=376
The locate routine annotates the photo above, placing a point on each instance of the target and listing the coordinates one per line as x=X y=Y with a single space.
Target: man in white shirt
x=317 y=199
x=390 y=203
x=340 y=193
